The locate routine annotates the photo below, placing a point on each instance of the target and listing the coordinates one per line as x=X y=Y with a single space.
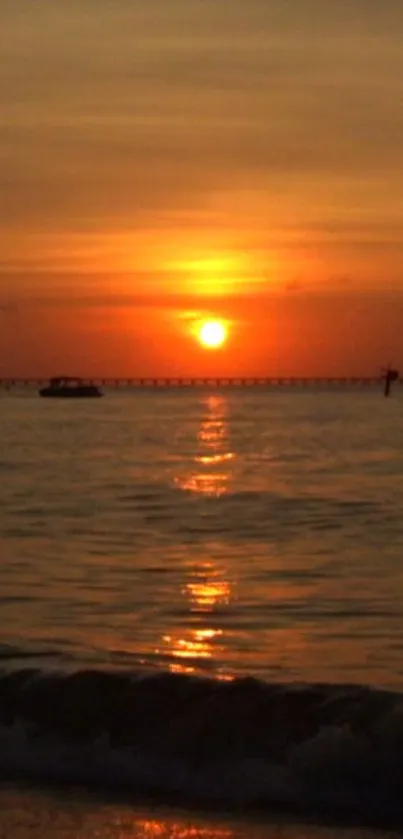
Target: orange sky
x=165 y=161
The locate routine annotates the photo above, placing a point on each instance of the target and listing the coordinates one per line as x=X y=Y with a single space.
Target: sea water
x=202 y=598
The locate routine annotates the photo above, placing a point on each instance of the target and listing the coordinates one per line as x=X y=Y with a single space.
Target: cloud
x=111 y=111
x=243 y=121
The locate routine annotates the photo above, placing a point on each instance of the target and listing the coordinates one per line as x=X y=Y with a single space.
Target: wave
x=318 y=749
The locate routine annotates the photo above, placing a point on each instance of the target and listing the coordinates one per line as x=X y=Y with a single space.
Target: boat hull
x=70 y=393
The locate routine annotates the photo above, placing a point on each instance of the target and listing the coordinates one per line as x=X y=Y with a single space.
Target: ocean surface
x=201 y=600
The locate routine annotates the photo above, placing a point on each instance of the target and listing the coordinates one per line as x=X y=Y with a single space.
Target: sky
x=167 y=161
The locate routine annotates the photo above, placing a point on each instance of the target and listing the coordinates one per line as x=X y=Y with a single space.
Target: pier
x=210 y=382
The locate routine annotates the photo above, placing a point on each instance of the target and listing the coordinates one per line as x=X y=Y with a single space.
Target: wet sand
x=33 y=814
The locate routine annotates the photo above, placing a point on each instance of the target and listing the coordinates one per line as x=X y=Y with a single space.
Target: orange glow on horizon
x=201 y=201
x=216 y=274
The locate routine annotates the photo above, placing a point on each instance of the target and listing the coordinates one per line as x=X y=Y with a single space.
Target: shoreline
x=27 y=811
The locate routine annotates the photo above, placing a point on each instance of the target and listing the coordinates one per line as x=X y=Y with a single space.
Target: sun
x=212 y=334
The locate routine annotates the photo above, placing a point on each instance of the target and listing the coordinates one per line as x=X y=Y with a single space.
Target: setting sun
x=212 y=334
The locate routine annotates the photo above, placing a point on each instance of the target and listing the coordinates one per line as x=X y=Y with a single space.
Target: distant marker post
x=390 y=376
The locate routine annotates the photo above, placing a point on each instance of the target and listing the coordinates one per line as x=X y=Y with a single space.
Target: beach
x=72 y=815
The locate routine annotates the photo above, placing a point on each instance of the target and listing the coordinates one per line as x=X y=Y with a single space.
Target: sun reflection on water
x=211 y=474
x=207 y=594
x=160 y=828
x=207 y=591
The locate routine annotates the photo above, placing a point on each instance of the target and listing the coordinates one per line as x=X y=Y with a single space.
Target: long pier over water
x=209 y=381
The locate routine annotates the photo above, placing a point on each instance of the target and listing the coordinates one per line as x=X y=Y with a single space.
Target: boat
x=69 y=387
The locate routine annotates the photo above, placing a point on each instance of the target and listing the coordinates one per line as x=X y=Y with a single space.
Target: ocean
x=201 y=622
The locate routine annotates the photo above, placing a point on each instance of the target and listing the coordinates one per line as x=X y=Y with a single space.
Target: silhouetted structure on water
x=390 y=376
x=67 y=387
x=63 y=384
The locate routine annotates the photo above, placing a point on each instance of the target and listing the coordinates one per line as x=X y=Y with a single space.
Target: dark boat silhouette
x=70 y=387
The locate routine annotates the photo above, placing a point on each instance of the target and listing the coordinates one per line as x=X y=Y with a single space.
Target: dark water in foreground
x=201 y=598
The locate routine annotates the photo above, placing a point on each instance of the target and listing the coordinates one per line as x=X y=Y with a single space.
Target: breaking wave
x=318 y=749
